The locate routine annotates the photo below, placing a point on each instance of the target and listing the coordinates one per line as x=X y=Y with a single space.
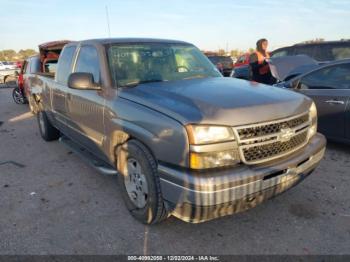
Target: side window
x=341 y=52
x=305 y=50
x=50 y=67
x=323 y=53
x=332 y=77
x=88 y=62
x=65 y=64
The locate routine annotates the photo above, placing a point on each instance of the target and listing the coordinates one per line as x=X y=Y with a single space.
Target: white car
x=6 y=65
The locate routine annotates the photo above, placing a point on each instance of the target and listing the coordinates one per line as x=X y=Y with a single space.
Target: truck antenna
x=107 y=17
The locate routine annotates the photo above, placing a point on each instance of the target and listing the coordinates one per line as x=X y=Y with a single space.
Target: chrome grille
x=267 y=129
x=266 y=141
x=263 y=152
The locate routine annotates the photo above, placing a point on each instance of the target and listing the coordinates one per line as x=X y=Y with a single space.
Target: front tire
x=140 y=183
x=47 y=131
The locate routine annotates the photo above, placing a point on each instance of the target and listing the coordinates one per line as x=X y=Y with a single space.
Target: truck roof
x=133 y=40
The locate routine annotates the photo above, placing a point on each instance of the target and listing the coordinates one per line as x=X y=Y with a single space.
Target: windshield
x=133 y=64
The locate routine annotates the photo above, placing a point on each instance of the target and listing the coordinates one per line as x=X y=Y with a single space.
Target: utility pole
x=107 y=17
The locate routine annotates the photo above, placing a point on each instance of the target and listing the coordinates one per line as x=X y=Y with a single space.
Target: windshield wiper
x=136 y=83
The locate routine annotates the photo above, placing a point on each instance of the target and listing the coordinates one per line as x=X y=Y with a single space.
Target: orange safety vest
x=264 y=69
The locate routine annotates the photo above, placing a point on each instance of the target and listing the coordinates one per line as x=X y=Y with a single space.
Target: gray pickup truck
x=183 y=140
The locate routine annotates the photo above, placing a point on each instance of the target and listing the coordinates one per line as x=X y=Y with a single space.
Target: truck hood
x=218 y=101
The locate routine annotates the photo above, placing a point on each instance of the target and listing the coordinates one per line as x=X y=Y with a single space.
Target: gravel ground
x=52 y=202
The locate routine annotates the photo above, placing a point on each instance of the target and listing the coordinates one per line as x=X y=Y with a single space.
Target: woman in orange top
x=259 y=68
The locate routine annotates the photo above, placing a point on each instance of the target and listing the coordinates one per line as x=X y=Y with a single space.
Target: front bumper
x=199 y=196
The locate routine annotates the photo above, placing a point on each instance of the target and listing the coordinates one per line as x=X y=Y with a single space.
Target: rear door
x=86 y=107
x=329 y=87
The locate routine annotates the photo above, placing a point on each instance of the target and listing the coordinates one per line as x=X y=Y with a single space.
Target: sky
x=210 y=25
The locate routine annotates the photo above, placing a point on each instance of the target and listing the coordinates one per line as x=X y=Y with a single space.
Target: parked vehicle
x=184 y=140
x=18 y=93
x=42 y=64
x=223 y=63
x=18 y=64
x=241 y=67
x=8 y=77
x=329 y=86
x=321 y=51
x=4 y=65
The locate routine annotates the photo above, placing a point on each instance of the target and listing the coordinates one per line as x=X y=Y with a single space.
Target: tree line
x=12 y=55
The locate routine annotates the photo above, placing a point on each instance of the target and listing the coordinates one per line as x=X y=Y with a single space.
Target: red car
x=242 y=60
x=241 y=67
x=18 y=64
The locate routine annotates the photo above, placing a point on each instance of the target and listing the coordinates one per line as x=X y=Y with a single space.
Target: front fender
x=165 y=137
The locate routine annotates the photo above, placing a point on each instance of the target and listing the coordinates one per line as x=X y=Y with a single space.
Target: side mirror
x=83 y=81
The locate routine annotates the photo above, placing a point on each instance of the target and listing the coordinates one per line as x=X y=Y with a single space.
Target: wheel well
x=126 y=138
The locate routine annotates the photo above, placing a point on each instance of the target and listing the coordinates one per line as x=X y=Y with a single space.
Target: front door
x=329 y=87
x=86 y=107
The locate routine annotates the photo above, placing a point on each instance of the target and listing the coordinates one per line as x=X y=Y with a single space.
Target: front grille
x=266 y=141
x=267 y=129
x=264 y=152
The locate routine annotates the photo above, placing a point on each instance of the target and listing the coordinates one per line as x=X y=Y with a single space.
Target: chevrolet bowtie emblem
x=285 y=134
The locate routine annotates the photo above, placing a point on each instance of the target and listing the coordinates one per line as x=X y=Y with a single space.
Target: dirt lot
x=52 y=202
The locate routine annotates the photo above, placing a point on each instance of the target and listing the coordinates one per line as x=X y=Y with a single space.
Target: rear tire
x=18 y=96
x=47 y=131
x=142 y=198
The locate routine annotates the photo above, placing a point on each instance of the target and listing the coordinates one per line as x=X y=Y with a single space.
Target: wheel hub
x=135 y=183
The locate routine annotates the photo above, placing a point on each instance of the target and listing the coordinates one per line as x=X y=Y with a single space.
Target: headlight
x=212 y=146
x=313 y=117
x=201 y=134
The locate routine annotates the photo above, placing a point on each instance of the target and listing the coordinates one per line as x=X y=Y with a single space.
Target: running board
x=100 y=166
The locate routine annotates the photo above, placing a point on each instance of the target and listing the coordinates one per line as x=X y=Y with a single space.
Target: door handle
x=335 y=102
